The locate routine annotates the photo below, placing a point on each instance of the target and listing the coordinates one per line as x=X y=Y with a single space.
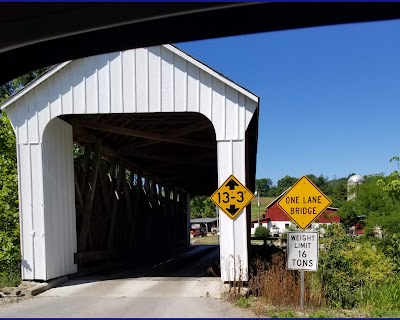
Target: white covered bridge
x=154 y=126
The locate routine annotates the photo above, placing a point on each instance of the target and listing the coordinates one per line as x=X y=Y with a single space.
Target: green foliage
x=244 y=302
x=202 y=207
x=391 y=248
x=385 y=297
x=78 y=151
x=346 y=266
x=261 y=232
x=377 y=205
x=285 y=183
x=263 y=186
x=391 y=185
x=9 y=220
x=322 y=314
x=282 y=314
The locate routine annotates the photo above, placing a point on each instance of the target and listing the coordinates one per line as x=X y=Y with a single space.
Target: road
x=176 y=286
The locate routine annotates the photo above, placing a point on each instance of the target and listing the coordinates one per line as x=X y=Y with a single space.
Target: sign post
x=303 y=203
x=302 y=254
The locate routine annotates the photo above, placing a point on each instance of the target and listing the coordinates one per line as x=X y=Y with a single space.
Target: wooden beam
x=138 y=133
x=78 y=191
x=121 y=173
x=85 y=167
x=89 y=198
x=169 y=158
x=108 y=151
x=175 y=134
x=104 y=187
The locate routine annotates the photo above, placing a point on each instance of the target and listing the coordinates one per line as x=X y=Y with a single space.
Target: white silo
x=353 y=181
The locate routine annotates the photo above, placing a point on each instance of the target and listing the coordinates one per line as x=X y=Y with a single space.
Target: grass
x=205 y=240
x=264 y=201
x=385 y=297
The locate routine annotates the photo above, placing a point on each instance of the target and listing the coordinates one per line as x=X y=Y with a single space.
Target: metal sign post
x=302 y=290
x=302 y=255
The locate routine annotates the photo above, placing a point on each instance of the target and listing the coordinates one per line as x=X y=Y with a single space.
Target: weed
x=282 y=314
x=243 y=302
x=385 y=314
x=278 y=286
x=383 y=297
x=320 y=314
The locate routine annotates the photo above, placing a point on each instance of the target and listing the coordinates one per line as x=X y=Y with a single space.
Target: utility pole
x=258 y=204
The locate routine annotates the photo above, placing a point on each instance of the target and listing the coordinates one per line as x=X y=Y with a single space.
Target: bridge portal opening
x=134 y=175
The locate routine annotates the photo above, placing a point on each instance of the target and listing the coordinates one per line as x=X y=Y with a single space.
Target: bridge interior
x=142 y=167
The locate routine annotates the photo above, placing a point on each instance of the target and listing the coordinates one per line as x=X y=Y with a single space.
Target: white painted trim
x=210 y=71
x=33 y=85
x=173 y=49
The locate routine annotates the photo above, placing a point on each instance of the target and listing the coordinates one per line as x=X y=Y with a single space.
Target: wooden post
x=85 y=166
x=121 y=172
x=89 y=199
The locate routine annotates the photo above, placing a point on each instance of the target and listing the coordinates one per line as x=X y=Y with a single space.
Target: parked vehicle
x=199 y=232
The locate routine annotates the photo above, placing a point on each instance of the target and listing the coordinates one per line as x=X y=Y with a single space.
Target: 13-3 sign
x=232 y=197
x=226 y=198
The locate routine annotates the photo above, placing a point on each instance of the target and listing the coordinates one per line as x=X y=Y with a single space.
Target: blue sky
x=330 y=96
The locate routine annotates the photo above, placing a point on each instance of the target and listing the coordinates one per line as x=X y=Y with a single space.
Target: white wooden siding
x=59 y=199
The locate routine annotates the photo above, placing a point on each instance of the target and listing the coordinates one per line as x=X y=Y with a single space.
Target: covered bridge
x=154 y=126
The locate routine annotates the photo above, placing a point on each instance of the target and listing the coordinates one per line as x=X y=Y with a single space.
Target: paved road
x=168 y=289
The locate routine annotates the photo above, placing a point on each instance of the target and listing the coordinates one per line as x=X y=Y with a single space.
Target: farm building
x=208 y=223
x=278 y=222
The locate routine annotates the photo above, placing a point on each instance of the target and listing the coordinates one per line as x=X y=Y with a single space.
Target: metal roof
x=203 y=220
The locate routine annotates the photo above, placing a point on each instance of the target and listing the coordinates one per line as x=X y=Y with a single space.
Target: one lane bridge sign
x=304 y=202
x=232 y=197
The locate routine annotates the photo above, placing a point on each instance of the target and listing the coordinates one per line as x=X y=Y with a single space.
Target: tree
x=379 y=208
x=263 y=186
x=285 y=183
x=261 y=232
x=9 y=222
x=202 y=207
x=392 y=183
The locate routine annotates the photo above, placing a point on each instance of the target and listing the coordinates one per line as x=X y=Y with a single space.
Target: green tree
x=263 y=186
x=378 y=206
x=9 y=222
x=261 y=232
x=391 y=185
x=202 y=207
x=285 y=183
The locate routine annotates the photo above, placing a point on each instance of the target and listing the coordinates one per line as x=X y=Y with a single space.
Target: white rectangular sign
x=302 y=251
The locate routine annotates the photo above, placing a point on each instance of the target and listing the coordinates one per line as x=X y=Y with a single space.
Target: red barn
x=277 y=221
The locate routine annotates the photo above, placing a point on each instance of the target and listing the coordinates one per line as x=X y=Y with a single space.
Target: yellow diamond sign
x=304 y=202
x=232 y=197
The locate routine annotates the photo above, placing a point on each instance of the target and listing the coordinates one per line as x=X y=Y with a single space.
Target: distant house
x=278 y=222
x=209 y=223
